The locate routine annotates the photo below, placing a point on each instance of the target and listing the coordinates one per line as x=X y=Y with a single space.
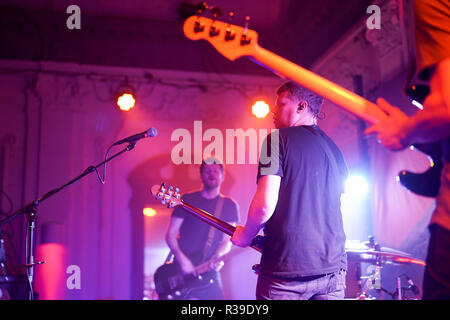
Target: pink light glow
x=50 y=282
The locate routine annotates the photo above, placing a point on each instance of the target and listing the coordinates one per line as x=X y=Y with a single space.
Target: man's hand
x=186 y=265
x=217 y=265
x=392 y=132
x=240 y=238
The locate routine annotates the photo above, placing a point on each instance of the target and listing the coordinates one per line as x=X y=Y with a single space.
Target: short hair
x=301 y=93
x=209 y=161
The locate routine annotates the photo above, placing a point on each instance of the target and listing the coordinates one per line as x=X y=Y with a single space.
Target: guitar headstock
x=230 y=40
x=167 y=195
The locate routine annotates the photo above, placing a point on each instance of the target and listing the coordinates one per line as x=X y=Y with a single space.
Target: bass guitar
x=171 y=197
x=234 y=42
x=170 y=283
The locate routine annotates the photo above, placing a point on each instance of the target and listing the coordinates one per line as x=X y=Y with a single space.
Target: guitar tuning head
x=167 y=195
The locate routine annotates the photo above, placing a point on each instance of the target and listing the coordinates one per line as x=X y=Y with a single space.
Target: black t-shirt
x=305 y=235
x=194 y=233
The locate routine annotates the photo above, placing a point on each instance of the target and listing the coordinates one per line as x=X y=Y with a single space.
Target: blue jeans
x=326 y=287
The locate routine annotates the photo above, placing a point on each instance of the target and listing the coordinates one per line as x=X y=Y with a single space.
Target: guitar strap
x=217 y=213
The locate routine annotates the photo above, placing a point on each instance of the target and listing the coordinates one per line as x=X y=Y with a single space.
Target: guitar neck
x=206 y=266
x=210 y=219
x=217 y=223
x=323 y=87
x=234 y=42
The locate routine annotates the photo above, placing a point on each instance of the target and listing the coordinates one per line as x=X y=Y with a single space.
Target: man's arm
x=225 y=245
x=173 y=230
x=261 y=209
x=428 y=125
x=433 y=123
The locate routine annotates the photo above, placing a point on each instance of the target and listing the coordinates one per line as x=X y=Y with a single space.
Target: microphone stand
x=30 y=210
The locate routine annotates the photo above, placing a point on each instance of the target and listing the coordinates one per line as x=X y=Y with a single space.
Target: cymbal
x=361 y=252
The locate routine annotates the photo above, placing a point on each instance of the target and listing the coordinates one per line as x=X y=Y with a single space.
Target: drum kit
x=371 y=254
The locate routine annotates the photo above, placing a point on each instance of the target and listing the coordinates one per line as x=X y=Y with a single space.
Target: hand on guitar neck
x=392 y=133
x=186 y=265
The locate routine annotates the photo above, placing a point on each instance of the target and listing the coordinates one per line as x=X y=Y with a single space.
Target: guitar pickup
x=198 y=27
x=245 y=40
x=213 y=32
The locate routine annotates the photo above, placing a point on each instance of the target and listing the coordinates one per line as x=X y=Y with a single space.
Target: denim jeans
x=327 y=287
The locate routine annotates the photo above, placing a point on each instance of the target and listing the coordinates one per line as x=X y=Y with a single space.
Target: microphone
x=135 y=137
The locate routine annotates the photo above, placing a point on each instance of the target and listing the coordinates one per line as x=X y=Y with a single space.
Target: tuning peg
x=245 y=39
x=216 y=12
x=229 y=34
x=177 y=190
x=199 y=9
x=247 y=21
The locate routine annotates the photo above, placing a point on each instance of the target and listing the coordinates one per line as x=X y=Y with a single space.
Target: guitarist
x=192 y=241
x=297 y=201
x=432 y=35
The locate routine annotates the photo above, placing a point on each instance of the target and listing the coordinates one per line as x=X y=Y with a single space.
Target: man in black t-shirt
x=301 y=177
x=194 y=242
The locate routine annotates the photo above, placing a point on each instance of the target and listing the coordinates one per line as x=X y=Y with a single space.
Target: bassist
x=192 y=241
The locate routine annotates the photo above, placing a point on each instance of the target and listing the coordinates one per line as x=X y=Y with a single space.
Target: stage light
x=356 y=186
x=125 y=96
x=126 y=101
x=149 y=212
x=260 y=109
x=355 y=205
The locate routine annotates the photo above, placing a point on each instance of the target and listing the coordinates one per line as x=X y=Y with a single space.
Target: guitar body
x=171 y=284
